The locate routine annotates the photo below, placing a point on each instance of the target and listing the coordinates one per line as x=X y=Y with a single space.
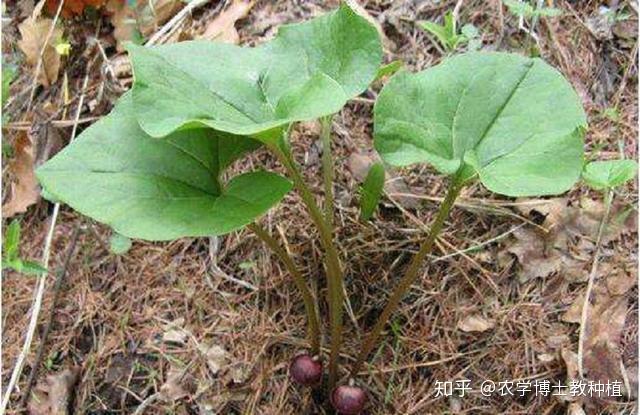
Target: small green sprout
x=11 y=255
x=609 y=174
x=371 y=191
x=449 y=37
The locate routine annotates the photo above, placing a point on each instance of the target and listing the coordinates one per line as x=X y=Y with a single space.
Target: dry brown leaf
x=570 y=359
x=24 y=189
x=569 y=242
x=175 y=333
x=222 y=28
x=33 y=34
x=538 y=257
x=144 y=17
x=179 y=384
x=52 y=396
x=605 y=321
x=153 y=13
x=71 y=8
x=123 y=19
x=575 y=408
x=216 y=356
x=475 y=323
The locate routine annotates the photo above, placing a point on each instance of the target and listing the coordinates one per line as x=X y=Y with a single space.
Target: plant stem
x=298 y=279
x=332 y=261
x=409 y=277
x=590 y=284
x=327 y=169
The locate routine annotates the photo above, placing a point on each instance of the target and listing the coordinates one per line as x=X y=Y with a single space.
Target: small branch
x=591 y=283
x=175 y=20
x=39 y=294
x=298 y=279
x=43 y=341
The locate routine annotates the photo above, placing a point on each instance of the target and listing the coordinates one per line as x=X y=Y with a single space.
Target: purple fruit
x=348 y=399
x=306 y=370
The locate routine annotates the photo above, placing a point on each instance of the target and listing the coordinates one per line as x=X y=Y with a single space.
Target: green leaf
x=31 y=268
x=389 y=69
x=371 y=191
x=11 y=241
x=8 y=74
x=159 y=189
x=513 y=121
x=439 y=31
x=601 y=175
x=119 y=244
x=308 y=71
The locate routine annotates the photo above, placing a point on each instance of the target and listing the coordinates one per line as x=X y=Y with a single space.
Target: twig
x=39 y=294
x=175 y=20
x=590 y=284
x=37 y=305
x=36 y=74
x=56 y=294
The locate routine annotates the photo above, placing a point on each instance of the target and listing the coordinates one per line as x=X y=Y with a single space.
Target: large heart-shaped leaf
x=159 y=188
x=308 y=71
x=514 y=121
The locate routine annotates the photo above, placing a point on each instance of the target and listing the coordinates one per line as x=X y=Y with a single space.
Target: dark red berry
x=348 y=399
x=306 y=370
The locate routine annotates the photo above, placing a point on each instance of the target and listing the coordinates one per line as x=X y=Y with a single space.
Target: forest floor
x=208 y=325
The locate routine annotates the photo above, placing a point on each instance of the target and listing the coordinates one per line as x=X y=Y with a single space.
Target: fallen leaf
x=538 y=259
x=570 y=359
x=175 y=333
x=72 y=8
x=575 y=408
x=222 y=28
x=24 y=189
x=569 y=241
x=475 y=323
x=123 y=20
x=53 y=395
x=603 y=332
x=179 y=384
x=132 y=19
x=153 y=13
x=33 y=34
x=215 y=355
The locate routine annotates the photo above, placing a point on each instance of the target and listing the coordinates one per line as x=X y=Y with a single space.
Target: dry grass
x=114 y=311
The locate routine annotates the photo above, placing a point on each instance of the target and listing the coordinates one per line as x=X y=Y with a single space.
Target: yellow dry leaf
x=222 y=28
x=24 y=189
x=33 y=34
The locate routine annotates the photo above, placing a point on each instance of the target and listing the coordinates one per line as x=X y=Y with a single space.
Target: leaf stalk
x=411 y=274
x=332 y=261
x=298 y=280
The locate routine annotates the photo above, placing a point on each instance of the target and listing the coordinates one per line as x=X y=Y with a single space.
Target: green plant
x=371 y=191
x=512 y=122
x=154 y=168
x=449 y=37
x=11 y=253
x=604 y=176
x=525 y=10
